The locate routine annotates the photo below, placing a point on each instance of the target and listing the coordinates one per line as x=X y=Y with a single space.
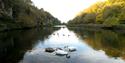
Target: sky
x=64 y=10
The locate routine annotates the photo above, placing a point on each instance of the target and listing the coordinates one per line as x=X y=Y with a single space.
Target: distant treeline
x=109 y=13
x=23 y=14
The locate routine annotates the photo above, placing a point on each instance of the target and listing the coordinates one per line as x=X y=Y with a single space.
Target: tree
x=111 y=12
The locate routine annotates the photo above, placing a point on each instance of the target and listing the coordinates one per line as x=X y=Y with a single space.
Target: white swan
x=71 y=49
x=61 y=52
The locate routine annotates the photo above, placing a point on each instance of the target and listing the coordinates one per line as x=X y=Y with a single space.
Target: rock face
x=1 y=8
x=4 y=11
x=10 y=12
x=1 y=4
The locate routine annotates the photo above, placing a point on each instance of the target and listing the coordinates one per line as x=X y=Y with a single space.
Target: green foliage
x=111 y=12
x=24 y=14
x=90 y=18
x=111 y=21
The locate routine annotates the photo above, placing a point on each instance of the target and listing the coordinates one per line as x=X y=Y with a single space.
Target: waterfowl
x=58 y=48
x=67 y=56
x=61 y=52
x=50 y=50
x=63 y=27
x=70 y=49
x=63 y=35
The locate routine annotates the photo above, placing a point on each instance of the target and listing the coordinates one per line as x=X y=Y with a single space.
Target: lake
x=93 y=45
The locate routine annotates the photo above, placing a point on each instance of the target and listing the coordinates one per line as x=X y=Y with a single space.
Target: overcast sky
x=64 y=10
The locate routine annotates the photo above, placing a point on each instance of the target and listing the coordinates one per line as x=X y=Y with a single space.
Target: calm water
x=93 y=46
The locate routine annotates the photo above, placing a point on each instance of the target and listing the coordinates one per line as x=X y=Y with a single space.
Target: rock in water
x=50 y=50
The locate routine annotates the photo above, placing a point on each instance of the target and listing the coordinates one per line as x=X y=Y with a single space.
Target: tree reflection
x=13 y=44
x=109 y=41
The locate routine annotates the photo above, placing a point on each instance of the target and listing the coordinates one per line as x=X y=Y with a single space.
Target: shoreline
x=100 y=26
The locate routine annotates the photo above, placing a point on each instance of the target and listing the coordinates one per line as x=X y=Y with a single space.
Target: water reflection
x=14 y=44
x=93 y=46
x=111 y=42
